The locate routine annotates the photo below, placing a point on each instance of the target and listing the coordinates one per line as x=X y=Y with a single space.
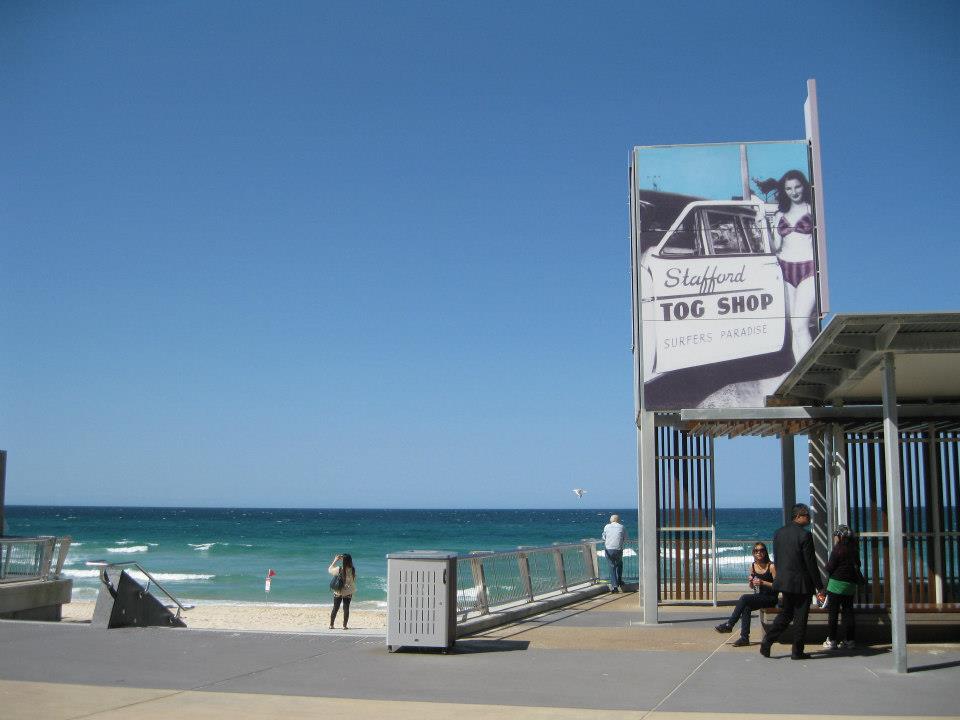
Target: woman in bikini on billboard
x=793 y=239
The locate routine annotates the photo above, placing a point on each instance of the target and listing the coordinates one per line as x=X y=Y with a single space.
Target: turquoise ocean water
x=223 y=554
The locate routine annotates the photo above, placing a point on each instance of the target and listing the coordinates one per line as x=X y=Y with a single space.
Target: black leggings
x=836 y=603
x=336 y=607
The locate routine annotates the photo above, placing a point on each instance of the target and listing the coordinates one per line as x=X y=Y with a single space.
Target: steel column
x=891 y=452
x=647 y=483
x=788 y=475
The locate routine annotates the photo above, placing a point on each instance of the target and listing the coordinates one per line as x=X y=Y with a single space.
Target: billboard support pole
x=646 y=434
x=744 y=172
x=649 y=580
x=811 y=116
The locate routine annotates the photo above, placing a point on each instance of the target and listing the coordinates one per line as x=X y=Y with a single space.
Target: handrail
x=488 y=579
x=103 y=564
x=29 y=558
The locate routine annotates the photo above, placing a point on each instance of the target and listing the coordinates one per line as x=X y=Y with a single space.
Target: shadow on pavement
x=935 y=666
x=468 y=647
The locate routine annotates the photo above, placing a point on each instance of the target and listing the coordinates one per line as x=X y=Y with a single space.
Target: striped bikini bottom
x=796 y=272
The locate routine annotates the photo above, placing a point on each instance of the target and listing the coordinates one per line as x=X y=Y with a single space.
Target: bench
x=926 y=622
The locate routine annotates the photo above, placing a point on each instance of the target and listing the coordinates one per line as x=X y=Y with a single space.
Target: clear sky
x=376 y=254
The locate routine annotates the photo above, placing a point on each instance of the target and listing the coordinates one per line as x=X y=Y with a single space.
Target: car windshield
x=732 y=233
x=683 y=241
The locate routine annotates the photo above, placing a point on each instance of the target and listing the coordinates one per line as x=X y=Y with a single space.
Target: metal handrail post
x=64 y=547
x=713 y=554
x=588 y=560
x=480 y=582
x=46 y=557
x=523 y=562
x=561 y=572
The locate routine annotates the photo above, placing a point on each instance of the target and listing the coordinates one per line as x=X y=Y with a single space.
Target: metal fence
x=487 y=580
x=734 y=558
x=32 y=558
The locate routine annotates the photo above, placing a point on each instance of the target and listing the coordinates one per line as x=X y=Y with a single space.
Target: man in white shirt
x=614 y=538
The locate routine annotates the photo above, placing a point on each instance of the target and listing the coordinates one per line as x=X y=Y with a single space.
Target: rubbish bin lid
x=422 y=555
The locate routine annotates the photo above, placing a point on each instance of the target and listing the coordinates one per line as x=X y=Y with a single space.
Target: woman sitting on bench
x=762 y=574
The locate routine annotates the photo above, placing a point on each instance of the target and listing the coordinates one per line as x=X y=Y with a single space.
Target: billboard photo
x=726 y=270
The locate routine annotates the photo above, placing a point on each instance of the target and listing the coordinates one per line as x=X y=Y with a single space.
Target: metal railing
x=487 y=580
x=103 y=565
x=734 y=558
x=32 y=558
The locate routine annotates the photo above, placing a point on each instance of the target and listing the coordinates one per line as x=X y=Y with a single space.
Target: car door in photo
x=712 y=289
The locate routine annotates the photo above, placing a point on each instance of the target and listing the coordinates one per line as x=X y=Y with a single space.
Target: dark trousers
x=615 y=559
x=336 y=607
x=836 y=603
x=745 y=605
x=796 y=608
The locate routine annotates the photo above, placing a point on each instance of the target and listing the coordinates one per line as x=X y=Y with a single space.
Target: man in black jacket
x=797 y=578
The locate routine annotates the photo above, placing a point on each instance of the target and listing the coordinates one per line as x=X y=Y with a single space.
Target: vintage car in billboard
x=711 y=289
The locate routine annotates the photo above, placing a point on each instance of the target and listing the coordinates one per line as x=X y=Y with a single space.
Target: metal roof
x=844 y=363
x=837 y=381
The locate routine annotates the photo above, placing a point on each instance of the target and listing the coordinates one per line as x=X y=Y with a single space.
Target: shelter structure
x=878 y=397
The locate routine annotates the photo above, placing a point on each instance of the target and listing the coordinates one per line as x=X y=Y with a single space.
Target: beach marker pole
x=266 y=584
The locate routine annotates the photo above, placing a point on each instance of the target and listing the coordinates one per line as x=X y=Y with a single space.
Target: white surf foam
x=131 y=549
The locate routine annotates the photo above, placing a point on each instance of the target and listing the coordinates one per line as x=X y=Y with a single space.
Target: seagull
x=579 y=492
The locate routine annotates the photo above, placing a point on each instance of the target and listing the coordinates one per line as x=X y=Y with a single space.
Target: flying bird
x=579 y=492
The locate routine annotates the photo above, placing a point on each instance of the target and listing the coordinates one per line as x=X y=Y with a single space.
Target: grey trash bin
x=421 y=599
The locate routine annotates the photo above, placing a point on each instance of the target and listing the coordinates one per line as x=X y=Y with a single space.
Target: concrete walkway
x=593 y=660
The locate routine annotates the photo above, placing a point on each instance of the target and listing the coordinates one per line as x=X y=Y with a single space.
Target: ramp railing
x=487 y=580
x=104 y=565
x=32 y=558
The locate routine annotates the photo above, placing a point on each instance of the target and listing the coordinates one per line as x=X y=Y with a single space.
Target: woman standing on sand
x=343 y=584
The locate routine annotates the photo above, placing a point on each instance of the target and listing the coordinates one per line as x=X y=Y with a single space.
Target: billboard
x=725 y=264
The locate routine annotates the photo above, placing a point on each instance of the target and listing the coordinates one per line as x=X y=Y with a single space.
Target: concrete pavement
x=593 y=660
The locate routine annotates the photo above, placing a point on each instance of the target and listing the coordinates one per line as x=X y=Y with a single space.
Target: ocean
x=222 y=555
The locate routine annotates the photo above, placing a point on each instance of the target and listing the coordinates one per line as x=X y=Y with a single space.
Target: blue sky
x=376 y=254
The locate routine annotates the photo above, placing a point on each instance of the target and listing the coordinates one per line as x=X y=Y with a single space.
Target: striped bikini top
x=804 y=225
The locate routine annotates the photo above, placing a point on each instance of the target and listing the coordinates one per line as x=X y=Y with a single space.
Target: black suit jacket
x=796 y=562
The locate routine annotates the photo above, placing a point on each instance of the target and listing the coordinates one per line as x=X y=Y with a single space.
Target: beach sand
x=255 y=616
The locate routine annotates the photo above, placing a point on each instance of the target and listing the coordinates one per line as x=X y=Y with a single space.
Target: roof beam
x=926 y=342
x=844 y=362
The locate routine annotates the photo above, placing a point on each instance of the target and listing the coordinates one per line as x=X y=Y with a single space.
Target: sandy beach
x=254 y=616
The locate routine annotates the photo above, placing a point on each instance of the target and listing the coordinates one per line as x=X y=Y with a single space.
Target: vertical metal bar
x=871 y=479
x=64 y=546
x=891 y=442
x=788 y=475
x=523 y=563
x=818 y=503
x=838 y=468
x=811 y=114
x=683 y=513
x=703 y=561
x=561 y=571
x=744 y=172
x=46 y=557
x=934 y=498
x=480 y=582
x=648 y=520
x=713 y=517
x=829 y=498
